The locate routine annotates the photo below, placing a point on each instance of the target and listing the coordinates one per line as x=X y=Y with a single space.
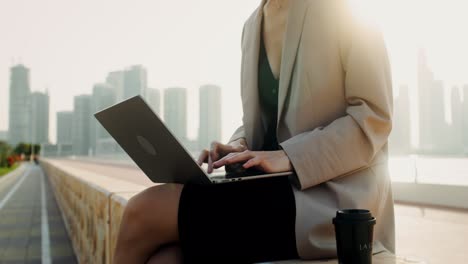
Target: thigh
x=240 y=222
x=154 y=212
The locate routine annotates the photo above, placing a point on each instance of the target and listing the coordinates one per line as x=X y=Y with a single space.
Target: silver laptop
x=145 y=138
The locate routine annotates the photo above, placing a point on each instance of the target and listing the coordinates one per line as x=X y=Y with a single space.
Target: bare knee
x=153 y=209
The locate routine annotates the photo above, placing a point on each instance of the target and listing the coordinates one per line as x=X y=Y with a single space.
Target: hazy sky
x=70 y=45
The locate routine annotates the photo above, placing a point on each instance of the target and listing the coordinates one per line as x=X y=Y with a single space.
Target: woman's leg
x=167 y=254
x=148 y=223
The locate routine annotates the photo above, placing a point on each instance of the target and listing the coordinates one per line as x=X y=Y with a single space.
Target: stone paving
x=21 y=238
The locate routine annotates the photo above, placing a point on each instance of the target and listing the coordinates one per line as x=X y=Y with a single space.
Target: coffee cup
x=354 y=229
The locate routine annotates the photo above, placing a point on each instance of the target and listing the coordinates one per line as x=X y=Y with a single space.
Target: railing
x=92 y=206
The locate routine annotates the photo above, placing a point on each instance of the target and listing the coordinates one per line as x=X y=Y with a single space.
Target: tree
x=5 y=152
x=25 y=148
x=22 y=148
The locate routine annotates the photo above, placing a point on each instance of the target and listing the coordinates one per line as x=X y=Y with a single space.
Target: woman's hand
x=267 y=161
x=219 y=150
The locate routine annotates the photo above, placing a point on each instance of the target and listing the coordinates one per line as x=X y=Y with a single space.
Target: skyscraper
x=454 y=135
x=153 y=98
x=135 y=81
x=116 y=80
x=432 y=125
x=425 y=79
x=400 y=138
x=435 y=119
x=3 y=135
x=39 y=117
x=64 y=127
x=465 y=119
x=210 y=115
x=19 y=111
x=81 y=121
x=103 y=97
x=175 y=111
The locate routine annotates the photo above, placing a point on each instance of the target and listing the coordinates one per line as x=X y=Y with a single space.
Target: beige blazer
x=334 y=118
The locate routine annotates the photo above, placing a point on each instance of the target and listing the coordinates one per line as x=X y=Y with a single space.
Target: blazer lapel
x=251 y=103
x=292 y=38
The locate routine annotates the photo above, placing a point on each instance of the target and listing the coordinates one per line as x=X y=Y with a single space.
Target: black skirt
x=240 y=222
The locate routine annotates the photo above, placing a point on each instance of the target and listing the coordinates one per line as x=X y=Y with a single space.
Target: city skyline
x=76 y=54
x=79 y=133
x=441 y=128
x=442 y=116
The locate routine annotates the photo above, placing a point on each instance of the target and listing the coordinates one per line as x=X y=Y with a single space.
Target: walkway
x=31 y=225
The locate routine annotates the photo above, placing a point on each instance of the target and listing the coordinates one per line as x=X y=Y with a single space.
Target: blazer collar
x=292 y=37
x=250 y=97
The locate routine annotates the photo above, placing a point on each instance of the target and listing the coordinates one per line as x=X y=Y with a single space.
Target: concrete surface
x=26 y=200
x=84 y=199
x=425 y=234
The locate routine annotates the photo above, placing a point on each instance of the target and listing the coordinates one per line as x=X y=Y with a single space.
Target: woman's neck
x=277 y=4
x=275 y=7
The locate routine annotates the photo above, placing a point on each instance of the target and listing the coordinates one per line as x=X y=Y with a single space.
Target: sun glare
x=437 y=26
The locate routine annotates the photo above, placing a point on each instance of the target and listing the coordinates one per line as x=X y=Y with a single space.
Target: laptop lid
x=150 y=144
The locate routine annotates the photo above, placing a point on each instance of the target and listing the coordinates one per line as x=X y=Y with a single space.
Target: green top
x=268 y=96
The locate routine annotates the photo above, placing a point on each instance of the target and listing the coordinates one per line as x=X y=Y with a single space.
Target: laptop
x=156 y=151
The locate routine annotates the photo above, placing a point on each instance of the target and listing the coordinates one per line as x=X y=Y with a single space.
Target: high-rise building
x=19 y=111
x=3 y=135
x=425 y=79
x=39 y=117
x=400 y=138
x=81 y=121
x=175 y=111
x=454 y=132
x=210 y=115
x=116 y=80
x=153 y=98
x=135 y=81
x=438 y=127
x=103 y=97
x=432 y=124
x=465 y=119
x=64 y=127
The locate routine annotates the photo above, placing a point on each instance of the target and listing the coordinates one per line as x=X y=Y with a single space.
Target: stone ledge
x=431 y=194
x=84 y=198
x=92 y=205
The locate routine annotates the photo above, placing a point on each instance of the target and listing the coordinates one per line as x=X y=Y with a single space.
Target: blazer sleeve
x=239 y=133
x=350 y=142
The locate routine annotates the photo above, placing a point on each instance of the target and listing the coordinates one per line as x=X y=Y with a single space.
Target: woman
x=317 y=99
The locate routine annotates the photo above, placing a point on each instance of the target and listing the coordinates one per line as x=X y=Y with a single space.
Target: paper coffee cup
x=354 y=229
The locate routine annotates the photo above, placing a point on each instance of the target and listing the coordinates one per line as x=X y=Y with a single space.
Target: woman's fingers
x=213 y=155
x=218 y=150
x=221 y=162
x=268 y=161
x=202 y=157
x=234 y=158
x=256 y=161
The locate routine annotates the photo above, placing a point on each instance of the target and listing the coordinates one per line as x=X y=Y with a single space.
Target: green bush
x=5 y=152
x=25 y=148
